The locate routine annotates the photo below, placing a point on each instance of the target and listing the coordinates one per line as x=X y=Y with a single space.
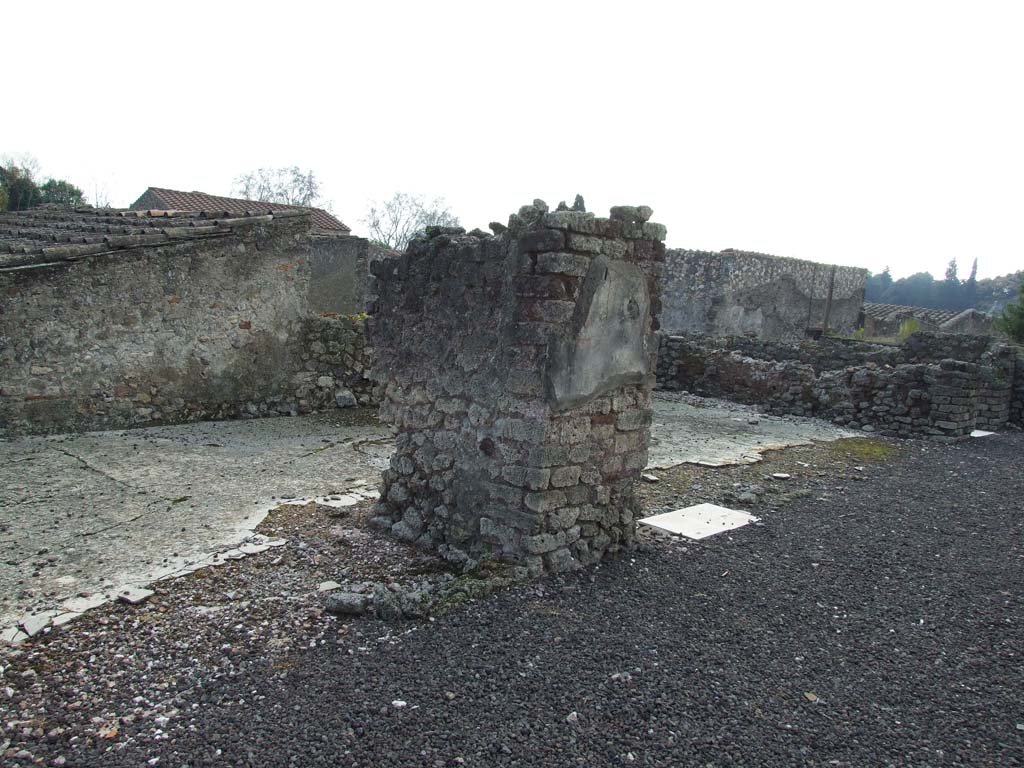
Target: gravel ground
x=873 y=617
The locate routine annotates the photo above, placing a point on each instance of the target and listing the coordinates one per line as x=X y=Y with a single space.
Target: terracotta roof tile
x=173 y=199
x=46 y=235
x=889 y=311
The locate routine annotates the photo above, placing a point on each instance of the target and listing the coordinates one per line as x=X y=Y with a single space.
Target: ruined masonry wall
x=515 y=440
x=199 y=330
x=900 y=392
x=733 y=292
x=1017 y=395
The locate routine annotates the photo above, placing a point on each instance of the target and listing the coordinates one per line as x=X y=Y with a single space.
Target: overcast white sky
x=868 y=133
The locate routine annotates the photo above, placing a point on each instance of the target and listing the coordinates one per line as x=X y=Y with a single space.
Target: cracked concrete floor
x=85 y=514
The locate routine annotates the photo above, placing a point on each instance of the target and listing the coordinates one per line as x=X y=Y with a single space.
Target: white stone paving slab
x=699 y=521
x=981 y=433
x=134 y=595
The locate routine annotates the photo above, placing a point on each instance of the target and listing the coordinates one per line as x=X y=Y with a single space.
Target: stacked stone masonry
x=517 y=368
x=1017 y=391
x=917 y=389
x=193 y=329
x=736 y=292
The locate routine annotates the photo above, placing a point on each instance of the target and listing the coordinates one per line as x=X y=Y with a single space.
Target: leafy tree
x=394 y=223
x=20 y=190
x=60 y=192
x=1011 y=321
x=951 y=269
x=279 y=185
x=918 y=290
x=949 y=291
x=879 y=287
x=19 y=187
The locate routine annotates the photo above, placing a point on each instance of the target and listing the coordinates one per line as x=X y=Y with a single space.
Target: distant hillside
x=922 y=290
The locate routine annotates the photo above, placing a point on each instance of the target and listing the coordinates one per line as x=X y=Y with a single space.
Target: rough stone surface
x=196 y=330
x=737 y=292
x=918 y=389
x=339 y=273
x=517 y=370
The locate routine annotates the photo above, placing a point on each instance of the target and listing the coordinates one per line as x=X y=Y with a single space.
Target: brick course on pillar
x=517 y=368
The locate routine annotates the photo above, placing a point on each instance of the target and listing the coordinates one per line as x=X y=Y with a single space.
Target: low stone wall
x=1017 y=395
x=994 y=403
x=826 y=354
x=895 y=391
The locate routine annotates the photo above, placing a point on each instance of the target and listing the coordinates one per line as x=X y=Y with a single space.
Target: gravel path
x=875 y=617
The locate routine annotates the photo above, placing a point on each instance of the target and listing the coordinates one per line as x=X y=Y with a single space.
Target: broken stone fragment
x=13 y=636
x=386 y=603
x=134 y=595
x=632 y=214
x=346 y=604
x=33 y=624
x=343 y=398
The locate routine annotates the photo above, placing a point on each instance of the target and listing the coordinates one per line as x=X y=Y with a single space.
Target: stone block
x=545 y=501
x=572 y=264
x=565 y=476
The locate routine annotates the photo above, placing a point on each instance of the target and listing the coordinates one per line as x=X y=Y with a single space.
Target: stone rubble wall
x=1017 y=396
x=198 y=330
x=994 y=403
x=513 y=440
x=732 y=292
x=336 y=363
x=900 y=392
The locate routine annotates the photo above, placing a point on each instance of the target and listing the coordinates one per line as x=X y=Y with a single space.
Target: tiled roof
x=176 y=200
x=890 y=311
x=48 y=235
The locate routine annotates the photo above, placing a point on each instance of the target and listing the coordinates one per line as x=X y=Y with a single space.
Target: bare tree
x=278 y=185
x=25 y=162
x=394 y=223
x=100 y=197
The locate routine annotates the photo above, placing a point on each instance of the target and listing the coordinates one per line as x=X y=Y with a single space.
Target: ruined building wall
x=908 y=391
x=1017 y=391
x=202 y=329
x=340 y=281
x=732 y=292
x=517 y=369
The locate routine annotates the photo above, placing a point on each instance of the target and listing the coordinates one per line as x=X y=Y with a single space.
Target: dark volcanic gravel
x=874 y=618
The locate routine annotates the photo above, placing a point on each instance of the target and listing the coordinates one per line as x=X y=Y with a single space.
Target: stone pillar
x=517 y=368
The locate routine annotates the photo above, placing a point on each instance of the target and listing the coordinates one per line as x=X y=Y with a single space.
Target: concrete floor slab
x=81 y=515
x=715 y=433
